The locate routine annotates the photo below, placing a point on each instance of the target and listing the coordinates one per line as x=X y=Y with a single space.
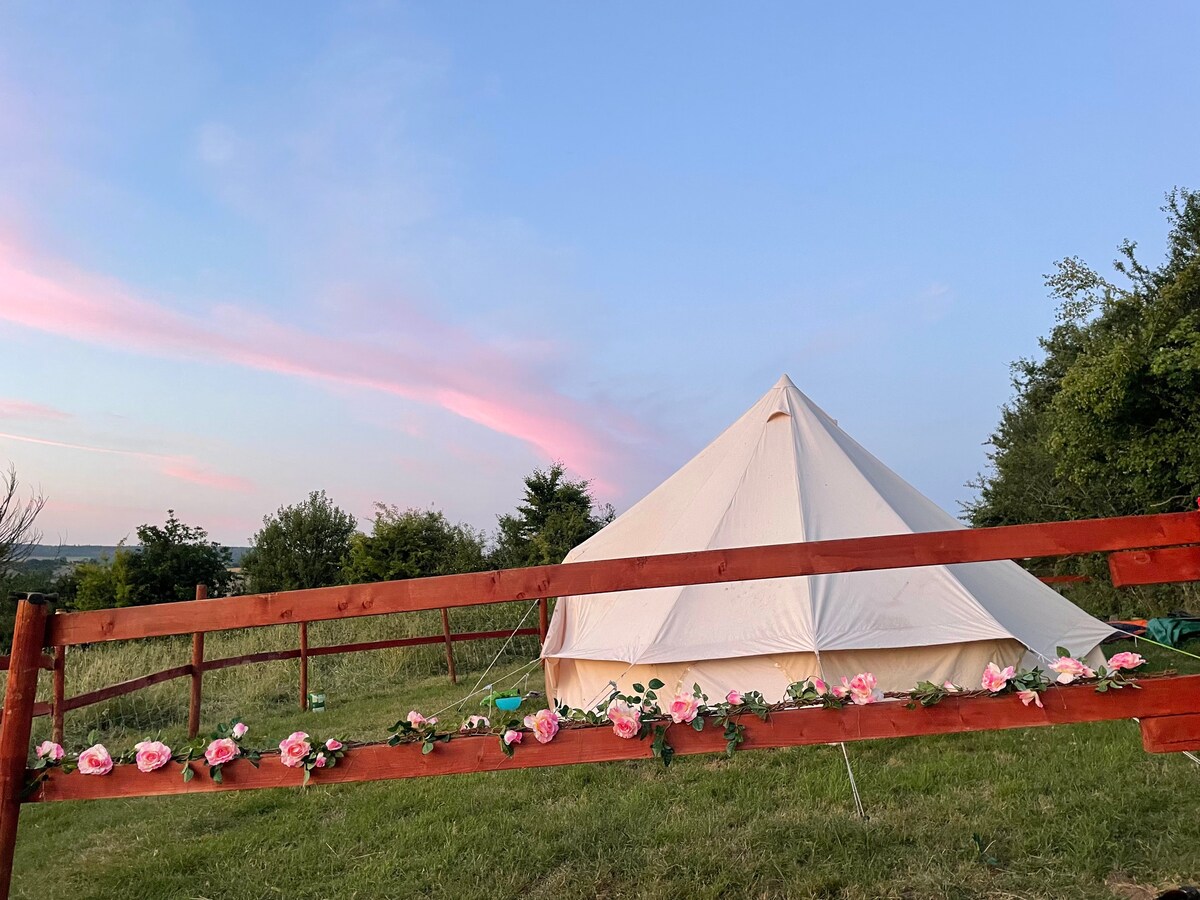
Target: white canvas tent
x=785 y=472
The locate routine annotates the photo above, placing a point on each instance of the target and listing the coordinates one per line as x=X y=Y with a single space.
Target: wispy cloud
x=428 y=361
x=22 y=409
x=184 y=468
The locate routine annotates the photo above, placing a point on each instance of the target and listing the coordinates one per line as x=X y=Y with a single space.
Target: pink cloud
x=427 y=361
x=183 y=468
x=21 y=409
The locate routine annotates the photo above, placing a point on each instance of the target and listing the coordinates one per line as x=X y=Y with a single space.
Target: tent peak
x=784 y=382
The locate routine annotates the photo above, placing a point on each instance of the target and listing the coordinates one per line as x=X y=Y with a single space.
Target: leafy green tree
x=301 y=546
x=1106 y=422
x=103 y=583
x=171 y=560
x=413 y=543
x=555 y=515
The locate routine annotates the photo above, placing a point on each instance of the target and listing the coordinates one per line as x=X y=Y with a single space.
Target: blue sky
x=408 y=252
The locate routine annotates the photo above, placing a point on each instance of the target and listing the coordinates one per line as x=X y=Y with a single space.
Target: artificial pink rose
x=843 y=690
x=683 y=709
x=320 y=763
x=474 y=722
x=626 y=720
x=513 y=737
x=333 y=745
x=221 y=751
x=95 y=761
x=1069 y=668
x=950 y=687
x=293 y=749
x=1126 y=660
x=416 y=720
x=50 y=750
x=820 y=686
x=733 y=698
x=862 y=690
x=1028 y=697
x=995 y=678
x=543 y=724
x=239 y=730
x=151 y=755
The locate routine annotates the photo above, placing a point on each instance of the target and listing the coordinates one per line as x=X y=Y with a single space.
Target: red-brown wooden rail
x=1154 y=566
x=1175 y=698
x=605 y=576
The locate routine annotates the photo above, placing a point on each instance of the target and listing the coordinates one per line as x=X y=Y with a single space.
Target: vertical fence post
x=303 y=666
x=449 y=645
x=543 y=625
x=197 y=671
x=60 y=693
x=29 y=636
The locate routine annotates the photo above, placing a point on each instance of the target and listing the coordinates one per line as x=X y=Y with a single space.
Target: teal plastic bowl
x=508 y=703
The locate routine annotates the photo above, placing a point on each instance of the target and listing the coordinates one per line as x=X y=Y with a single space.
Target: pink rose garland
x=626 y=720
x=50 y=751
x=994 y=678
x=95 y=760
x=293 y=749
x=543 y=724
x=1126 y=660
x=1069 y=668
x=683 y=709
x=151 y=755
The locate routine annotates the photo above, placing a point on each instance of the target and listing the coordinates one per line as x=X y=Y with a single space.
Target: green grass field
x=1068 y=812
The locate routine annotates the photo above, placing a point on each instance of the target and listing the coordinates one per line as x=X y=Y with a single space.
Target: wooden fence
x=1168 y=708
x=60 y=704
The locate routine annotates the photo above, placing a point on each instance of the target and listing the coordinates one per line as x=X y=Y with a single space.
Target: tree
x=17 y=518
x=172 y=560
x=301 y=546
x=555 y=516
x=413 y=543
x=1106 y=422
x=103 y=583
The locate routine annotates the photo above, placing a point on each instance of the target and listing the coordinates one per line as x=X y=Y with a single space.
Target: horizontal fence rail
x=611 y=575
x=1174 y=698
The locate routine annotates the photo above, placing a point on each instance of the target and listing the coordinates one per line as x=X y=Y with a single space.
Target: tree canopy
x=302 y=546
x=413 y=543
x=555 y=515
x=1106 y=422
x=167 y=565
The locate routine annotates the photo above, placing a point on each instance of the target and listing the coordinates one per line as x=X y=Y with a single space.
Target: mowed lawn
x=1067 y=812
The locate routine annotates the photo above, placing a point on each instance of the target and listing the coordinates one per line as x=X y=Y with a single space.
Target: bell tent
x=782 y=473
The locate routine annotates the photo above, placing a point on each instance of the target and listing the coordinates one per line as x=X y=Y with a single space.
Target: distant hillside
x=79 y=552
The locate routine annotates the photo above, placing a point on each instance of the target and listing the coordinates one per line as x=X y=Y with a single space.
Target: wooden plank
x=29 y=636
x=58 y=691
x=196 y=694
x=263 y=656
x=1171 y=734
x=604 y=576
x=1154 y=566
x=1076 y=703
x=417 y=641
x=449 y=645
x=125 y=687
